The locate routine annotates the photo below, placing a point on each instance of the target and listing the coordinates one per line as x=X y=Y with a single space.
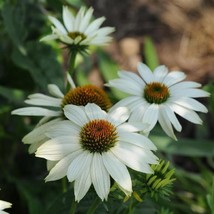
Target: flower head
x=93 y=145
x=78 y=32
x=4 y=205
x=157 y=96
x=51 y=108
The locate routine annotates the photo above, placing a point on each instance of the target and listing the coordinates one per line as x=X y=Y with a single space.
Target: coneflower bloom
x=78 y=32
x=93 y=145
x=51 y=108
x=157 y=96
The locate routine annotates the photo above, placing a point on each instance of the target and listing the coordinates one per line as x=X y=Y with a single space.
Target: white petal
x=79 y=18
x=76 y=114
x=118 y=116
x=160 y=73
x=174 y=77
x=79 y=165
x=138 y=113
x=169 y=115
x=131 y=75
x=85 y=21
x=57 y=24
x=184 y=85
x=186 y=113
x=93 y=112
x=132 y=127
x=191 y=104
x=36 y=111
x=60 y=169
x=49 y=38
x=50 y=164
x=128 y=86
x=104 y=31
x=166 y=124
x=127 y=102
x=151 y=115
x=117 y=170
x=83 y=182
x=4 y=205
x=43 y=100
x=145 y=73
x=70 y=80
x=68 y=19
x=100 y=177
x=63 y=128
x=190 y=93
x=137 y=139
x=59 y=147
x=94 y=25
x=55 y=91
x=134 y=156
x=38 y=134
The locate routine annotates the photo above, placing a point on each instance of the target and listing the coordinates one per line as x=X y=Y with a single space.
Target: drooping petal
x=186 y=113
x=151 y=115
x=36 y=111
x=132 y=127
x=59 y=147
x=169 y=114
x=166 y=124
x=43 y=100
x=137 y=139
x=191 y=104
x=118 y=171
x=79 y=165
x=60 y=169
x=83 y=182
x=100 y=177
x=63 y=128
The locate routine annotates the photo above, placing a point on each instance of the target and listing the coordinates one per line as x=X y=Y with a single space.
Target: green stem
x=64 y=184
x=73 y=207
x=94 y=206
x=73 y=55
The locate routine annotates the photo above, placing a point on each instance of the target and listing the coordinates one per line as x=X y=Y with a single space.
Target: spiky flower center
x=75 y=34
x=156 y=92
x=98 y=136
x=83 y=95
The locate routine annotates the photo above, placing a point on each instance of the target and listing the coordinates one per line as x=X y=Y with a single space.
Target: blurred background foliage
x=27 y=66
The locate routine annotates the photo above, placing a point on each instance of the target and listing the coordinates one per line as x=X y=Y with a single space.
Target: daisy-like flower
x=157 y=96
x=93 y=145
x=51 y=108
x=4 y=205
x=78 y=32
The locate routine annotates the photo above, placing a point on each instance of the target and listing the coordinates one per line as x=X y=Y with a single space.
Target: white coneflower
x=51 y=108
x=4 y=205
x=93 y=145
x=79 y=31
x=157 y=96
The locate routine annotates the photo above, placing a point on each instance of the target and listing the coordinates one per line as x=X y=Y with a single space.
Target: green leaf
x=150 y=53
x=40 y=61
x=186 y=147
x=109 y=69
